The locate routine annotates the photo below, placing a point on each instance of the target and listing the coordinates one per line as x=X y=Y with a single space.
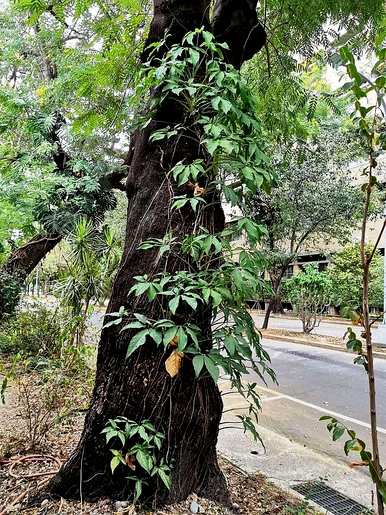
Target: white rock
x=194 y=507
x=121 y=505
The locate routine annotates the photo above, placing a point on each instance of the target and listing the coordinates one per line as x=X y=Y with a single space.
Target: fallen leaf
x=358 y=464
x=174 y=362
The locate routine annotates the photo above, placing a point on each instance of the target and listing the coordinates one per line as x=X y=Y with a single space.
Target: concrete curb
x=328 y=346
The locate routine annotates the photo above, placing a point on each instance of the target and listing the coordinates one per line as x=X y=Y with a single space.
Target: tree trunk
x=187 y=410
x=267 y=315
x=274 y=303
x=274 y=306
x=19 y=265
x=277 y=307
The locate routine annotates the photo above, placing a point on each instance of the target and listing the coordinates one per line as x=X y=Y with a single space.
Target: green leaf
x=191 y=301
x=198 y=363
x=133 y=325
x=151 y=292
x=338 y=433
x=156 y=336
x=121 y=436
x=158 y=135
x=145 y=460
x=212 y=145
x=110 y=434
x=230 y=344
x=382 y=489
x=227 y=145
x=170 y=334
x=138 y=490
x=194 y=56
x=182 y=339
x=141 y=318
x=165 y=478
x=217 y=298
x=139 y=288
x=195 y=201
x=137 y=341
x=112 y=322
x=180 y=202
x=114 y=463
x=173 y=304
x=212 y=368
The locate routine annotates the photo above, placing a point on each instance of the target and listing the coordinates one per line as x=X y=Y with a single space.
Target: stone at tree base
x=194 y=507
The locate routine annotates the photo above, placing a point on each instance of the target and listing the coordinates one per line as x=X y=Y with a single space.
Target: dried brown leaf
x=174 y=363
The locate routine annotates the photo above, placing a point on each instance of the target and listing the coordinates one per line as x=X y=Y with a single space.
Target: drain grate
x=328 y=498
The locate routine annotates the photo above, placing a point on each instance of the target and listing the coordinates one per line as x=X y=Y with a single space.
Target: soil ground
x=250 y=494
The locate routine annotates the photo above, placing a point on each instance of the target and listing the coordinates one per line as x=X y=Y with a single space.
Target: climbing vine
x=219 y=276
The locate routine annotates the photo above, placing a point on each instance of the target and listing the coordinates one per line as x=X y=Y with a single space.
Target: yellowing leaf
x=174 y=342
x=40 y=92
x=174 y=362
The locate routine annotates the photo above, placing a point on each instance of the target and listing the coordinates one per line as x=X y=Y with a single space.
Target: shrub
x=309 y=292
x=50 y=392
x=33 y=333
x=40 y=405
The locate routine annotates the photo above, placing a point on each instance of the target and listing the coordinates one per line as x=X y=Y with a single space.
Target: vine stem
x=366 y=262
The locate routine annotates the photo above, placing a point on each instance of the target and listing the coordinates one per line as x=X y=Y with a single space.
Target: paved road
x=314 y=382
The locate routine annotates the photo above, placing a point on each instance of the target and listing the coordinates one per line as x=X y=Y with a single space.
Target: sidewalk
x=286 y=462
x=288 y=316
x=328 y=332
x=304 y=339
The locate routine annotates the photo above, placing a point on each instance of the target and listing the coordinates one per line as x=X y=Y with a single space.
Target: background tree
x=87 y=277
x=347 y=289
x=43 y=151
x=314 y=203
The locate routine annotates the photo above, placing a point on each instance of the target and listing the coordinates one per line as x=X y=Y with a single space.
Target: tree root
x=13 y=462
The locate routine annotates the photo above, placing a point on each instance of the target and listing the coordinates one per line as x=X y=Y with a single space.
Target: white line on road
x=318 y=408
x=275 y=398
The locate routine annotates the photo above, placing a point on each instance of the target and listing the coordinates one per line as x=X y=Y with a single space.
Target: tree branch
x=235 y=22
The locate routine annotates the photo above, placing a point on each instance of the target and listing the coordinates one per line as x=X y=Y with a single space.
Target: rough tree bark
x=19 y=265
x=186 y=410
x=24 y=259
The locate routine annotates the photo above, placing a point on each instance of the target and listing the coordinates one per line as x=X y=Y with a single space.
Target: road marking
x=275 y=398
x=318 y=408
